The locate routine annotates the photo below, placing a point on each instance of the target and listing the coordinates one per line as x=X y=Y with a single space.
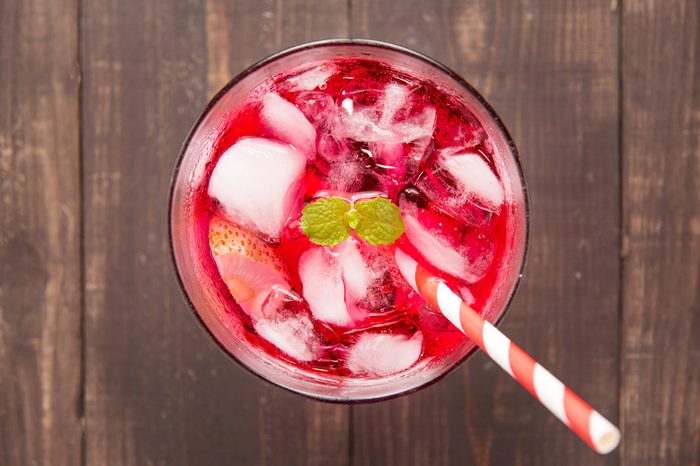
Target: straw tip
x=605 y=436
x=608 y=441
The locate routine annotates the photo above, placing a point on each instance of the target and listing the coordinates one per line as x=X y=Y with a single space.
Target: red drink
x=350 y=129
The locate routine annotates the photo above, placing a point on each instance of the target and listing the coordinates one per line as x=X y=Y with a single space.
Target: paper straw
x=578 y=415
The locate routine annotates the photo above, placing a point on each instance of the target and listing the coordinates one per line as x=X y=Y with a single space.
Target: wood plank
x=259 y=29
x=40 y=316
x=660 y=396
x=158 y=391
x=243 y=32
x=550 y=70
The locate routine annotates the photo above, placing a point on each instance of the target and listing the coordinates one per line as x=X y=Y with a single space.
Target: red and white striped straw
x=578 y=415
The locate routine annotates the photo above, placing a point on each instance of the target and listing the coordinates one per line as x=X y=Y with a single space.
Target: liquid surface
x=353 y=129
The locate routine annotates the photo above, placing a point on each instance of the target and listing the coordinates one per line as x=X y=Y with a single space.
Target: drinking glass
x=187 y=232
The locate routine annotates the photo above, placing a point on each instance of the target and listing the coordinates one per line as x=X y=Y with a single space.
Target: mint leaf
x=379 y=221
x=324 y=221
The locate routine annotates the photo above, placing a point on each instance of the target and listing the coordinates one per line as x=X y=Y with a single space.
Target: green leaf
x=325 y=221
x=379 y=221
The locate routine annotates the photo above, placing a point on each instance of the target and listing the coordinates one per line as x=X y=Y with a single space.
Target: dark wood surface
x=100 y=362
x=41 y=408
x=660 y=345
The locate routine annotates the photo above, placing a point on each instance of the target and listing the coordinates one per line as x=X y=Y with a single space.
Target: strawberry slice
x=249 y=266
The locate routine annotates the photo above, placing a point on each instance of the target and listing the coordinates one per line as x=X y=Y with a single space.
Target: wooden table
x=102 y=364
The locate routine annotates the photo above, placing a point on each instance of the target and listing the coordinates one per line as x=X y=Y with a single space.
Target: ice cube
x=386 y=289
x=362 y=125
x=350 y=173
x=281 y=302
x=357 y=275
x=288 y=124
x=344 y=175
x=470 y=134
x=475 y=177
x=379 y=354
x=446 y=193
x=291 y=336
x=391 y=162
x=479 y=250
x=417 y=151
x=353 y=175
x=312 y=78
x=323 y=287
x=331 y=148
x=285 y=323
x=389 y=155
x=434 y=249
x=420 y=126
x=446 y=244
x=396 y=137
x=373 y=282
x=397 y=117
x=318 y=107
x=402 y=156
x=370 y=124
x=394 y=99
x=262 y=206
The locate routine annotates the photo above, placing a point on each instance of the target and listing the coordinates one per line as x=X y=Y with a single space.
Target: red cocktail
x=297 y=185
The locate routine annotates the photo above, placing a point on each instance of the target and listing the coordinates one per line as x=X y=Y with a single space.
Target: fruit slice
x=249 y=266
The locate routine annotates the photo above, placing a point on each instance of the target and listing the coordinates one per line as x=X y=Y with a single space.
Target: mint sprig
x=329 y=221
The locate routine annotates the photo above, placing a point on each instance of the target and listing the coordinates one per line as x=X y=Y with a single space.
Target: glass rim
x=370 y=43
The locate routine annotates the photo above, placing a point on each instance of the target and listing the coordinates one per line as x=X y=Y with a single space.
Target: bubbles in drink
x=353 y=172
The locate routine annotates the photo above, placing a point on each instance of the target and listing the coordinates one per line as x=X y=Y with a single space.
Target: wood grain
x=40 y=369
x=243 y=32
x=660 y=396
x=157 y=390
x=550 y=70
